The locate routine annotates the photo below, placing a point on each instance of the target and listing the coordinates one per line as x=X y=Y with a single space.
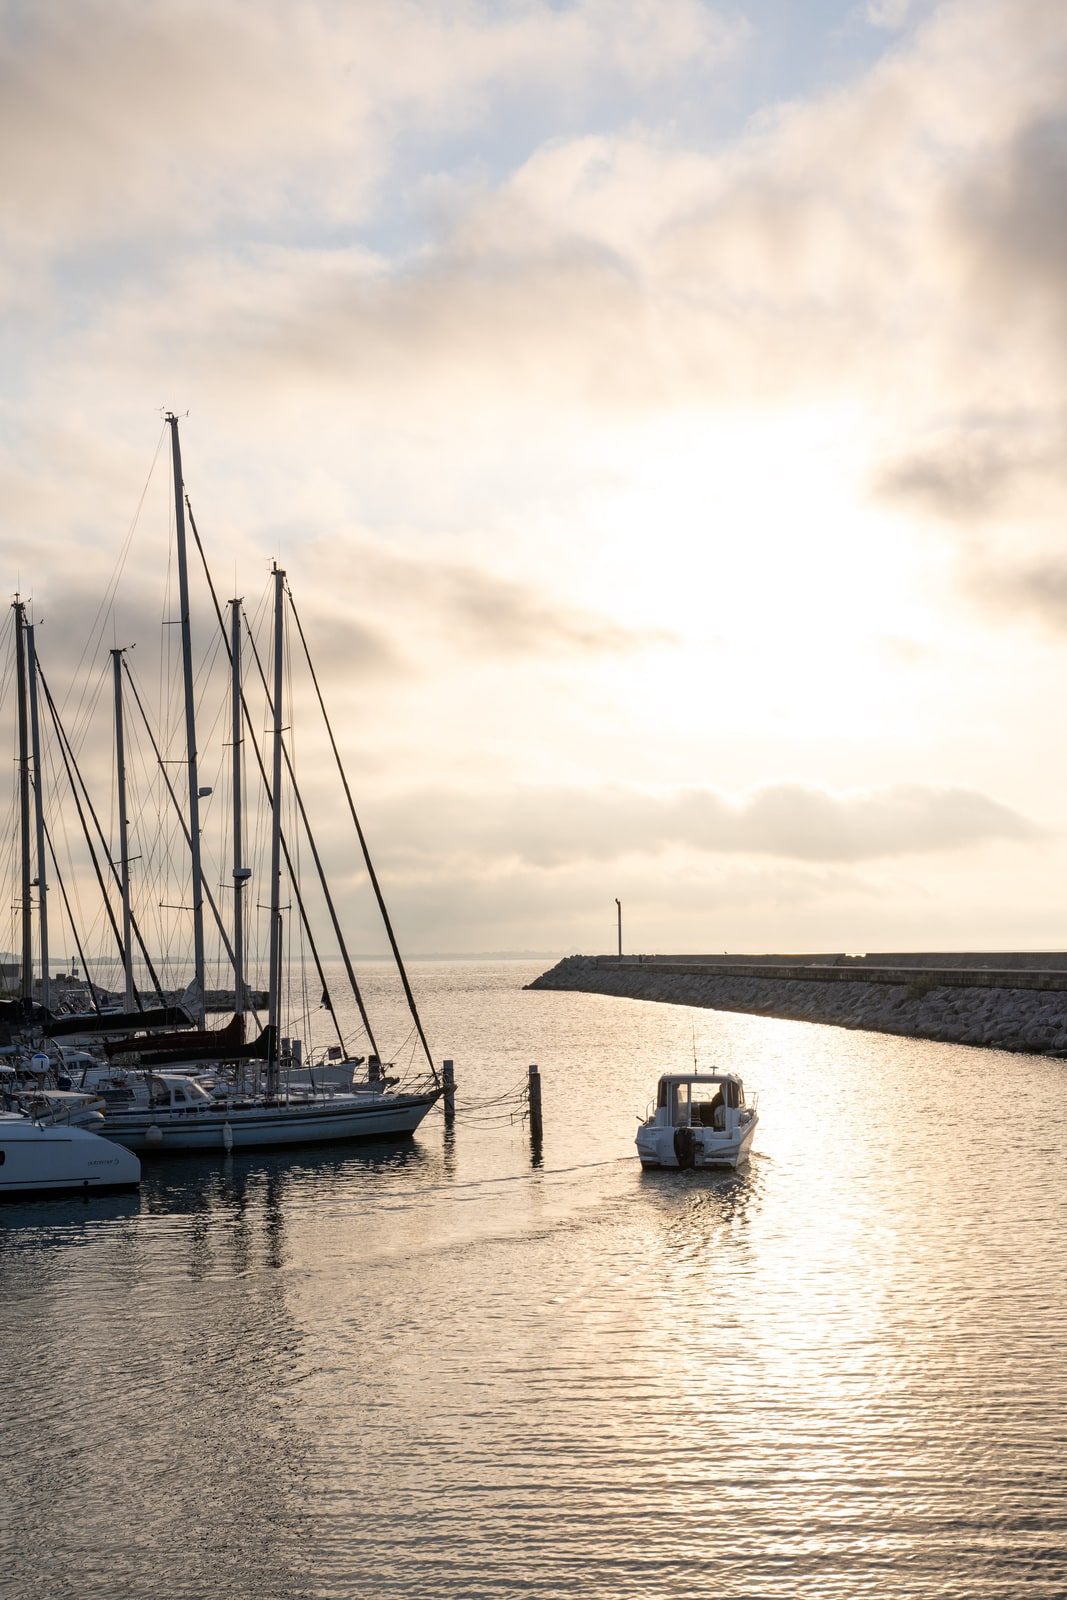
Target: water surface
x=453 y=1367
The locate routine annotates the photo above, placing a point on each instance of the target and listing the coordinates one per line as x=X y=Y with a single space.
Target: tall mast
x=190 y=728
x=240 y=871
x=26 y=972
x=38 y=811
x=124 y=836
x=274 y=1011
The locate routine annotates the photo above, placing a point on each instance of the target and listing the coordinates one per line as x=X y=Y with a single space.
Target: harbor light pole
x=618 y=905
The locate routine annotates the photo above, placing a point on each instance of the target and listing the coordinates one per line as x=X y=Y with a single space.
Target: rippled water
x=437 y=1369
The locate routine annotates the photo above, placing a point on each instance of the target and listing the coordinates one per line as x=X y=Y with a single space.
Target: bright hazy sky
x=658 y=407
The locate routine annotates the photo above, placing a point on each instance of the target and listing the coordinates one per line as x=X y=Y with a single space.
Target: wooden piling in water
x=448 y=1073
x=535 y=1105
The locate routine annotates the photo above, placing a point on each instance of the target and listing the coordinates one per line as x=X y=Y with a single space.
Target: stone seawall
x=1002 y=1010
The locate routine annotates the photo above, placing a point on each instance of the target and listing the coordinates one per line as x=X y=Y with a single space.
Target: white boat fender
x=227 y=1136
x=153 y=1134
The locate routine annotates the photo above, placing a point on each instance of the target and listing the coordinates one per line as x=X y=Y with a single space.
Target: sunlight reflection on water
x=429 y=1369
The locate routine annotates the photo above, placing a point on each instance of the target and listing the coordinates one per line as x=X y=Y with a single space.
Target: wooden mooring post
x=448 y=1073
x=535 y=1106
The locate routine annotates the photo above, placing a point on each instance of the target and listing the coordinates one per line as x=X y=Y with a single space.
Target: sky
x=658 y=409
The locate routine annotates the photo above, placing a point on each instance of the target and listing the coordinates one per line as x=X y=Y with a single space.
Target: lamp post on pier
x=618 y=905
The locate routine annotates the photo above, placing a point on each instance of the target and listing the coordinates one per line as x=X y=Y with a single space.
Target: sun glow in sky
x=658 y=409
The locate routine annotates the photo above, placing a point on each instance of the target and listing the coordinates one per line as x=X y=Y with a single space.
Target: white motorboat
x=53 y=1160
x=700 y=1119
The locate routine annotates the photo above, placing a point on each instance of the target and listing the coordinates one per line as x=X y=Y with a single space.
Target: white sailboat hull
x=37 y=1160
x=340 y=1118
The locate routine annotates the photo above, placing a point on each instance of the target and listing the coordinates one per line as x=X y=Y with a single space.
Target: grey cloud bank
x=549 y=827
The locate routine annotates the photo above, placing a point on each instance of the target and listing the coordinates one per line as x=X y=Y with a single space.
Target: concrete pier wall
x=1008 y=1006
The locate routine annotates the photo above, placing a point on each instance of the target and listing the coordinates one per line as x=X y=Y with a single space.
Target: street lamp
x=618 y=904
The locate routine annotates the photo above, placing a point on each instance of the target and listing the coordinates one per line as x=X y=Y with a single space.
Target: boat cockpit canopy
x=699 y=1101
x=176 y=1091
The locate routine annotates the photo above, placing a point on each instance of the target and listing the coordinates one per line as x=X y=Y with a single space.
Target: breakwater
x=1015 y=1001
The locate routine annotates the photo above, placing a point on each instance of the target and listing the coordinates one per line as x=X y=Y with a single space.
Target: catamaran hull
x=262 y=1128
x=54 y=1161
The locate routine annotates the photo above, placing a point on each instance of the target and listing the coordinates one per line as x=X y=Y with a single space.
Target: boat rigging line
x=69 y=759
x=363 y=846
x=105 y=608
x=71 y=922
x=209 y=897
x=349 y=969
x=509 y=1107
x=290 y=867
x=319 y=868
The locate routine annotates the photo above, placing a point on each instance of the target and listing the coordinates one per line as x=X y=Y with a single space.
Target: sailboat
x=48 y=1145
x=177 y=1113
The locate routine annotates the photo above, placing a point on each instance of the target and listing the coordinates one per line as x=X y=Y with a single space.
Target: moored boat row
x=182 y=1115
x=261 y=1093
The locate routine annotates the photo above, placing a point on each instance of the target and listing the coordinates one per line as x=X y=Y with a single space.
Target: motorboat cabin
x=700 y=1120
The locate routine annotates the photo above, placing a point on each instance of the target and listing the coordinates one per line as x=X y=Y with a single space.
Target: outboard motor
x=685 y=1143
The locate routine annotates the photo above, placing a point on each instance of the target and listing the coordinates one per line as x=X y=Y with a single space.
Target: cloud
x=840 y=240
x=495 y=616
x=683 y=905
x=1031 y=588
x=887 y=13
x=974 y=473
x=839 y=249
x=1009 y=216
x=785 y=868
x=862 y=248
x=906 y=819
x=997 y=489
x=477 y=611
x=992 y=451
x=117 y=117
x=551 y=827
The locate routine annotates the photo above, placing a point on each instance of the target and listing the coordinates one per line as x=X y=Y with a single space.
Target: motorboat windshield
x=699 y=1100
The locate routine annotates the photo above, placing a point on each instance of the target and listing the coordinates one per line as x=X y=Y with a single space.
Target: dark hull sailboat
x=116 y=1022
x=214 y=1043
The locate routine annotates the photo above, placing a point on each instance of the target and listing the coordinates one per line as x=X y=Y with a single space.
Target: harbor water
x=456 y=1366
